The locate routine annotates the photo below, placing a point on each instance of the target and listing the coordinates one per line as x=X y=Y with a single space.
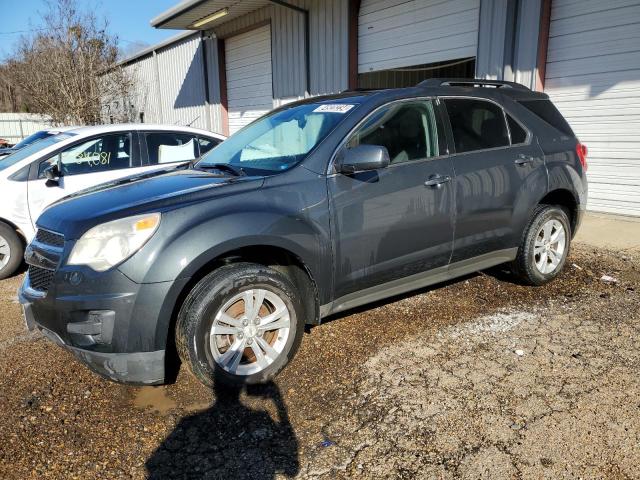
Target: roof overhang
x=205 y=14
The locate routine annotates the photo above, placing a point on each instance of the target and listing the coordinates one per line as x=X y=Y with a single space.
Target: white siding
x=249 y=84
x=593 y=77
x=401 y=33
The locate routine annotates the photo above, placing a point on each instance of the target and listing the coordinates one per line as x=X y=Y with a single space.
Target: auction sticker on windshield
x=334 y=108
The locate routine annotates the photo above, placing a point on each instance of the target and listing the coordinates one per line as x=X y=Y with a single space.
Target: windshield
x=31 y=149
x=32 y=138
x=277 y=141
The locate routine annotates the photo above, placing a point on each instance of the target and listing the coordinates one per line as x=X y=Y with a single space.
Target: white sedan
x=45 y=171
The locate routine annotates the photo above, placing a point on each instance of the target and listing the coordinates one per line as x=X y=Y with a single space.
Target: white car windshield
x=32 y=148
x=278 y=141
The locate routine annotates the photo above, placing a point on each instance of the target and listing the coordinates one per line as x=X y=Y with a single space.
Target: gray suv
x=318 y=207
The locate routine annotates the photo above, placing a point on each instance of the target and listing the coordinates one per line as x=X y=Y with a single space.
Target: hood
x=155 y=192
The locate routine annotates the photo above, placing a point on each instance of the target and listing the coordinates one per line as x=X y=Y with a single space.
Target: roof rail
x=470 y=82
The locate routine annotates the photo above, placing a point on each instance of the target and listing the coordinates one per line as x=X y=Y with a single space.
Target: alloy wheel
x=550 y=246
x=5 y=252
x=249 y=332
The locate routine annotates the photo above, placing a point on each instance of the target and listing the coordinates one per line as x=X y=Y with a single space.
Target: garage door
x=401 y=33
x=248 y=67
x=593 y=76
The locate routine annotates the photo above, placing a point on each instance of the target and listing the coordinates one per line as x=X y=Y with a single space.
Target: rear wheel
x=240 y=325
x=545 y=246
x=11 y=251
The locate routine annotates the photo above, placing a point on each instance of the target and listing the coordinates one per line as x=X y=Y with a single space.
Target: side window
x=476 y=124
x=518 y=134
x=207 y=144
x=101 y=154
x=407 y=130
x=169 y=147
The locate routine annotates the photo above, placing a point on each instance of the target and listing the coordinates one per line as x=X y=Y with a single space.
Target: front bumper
x=143 y=368
x=121 y=336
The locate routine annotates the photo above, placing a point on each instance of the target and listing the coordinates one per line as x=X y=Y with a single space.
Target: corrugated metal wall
x=169 y=86
x=146 y=97
x=593 y=77
x=182 y=83
x=508 y=40
x=329 y=46
x=328 y=49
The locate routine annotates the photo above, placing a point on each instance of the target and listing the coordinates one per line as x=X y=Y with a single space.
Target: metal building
x=171 y=84
x=244 y=58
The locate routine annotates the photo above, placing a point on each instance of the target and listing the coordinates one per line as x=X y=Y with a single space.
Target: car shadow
x=230 y=439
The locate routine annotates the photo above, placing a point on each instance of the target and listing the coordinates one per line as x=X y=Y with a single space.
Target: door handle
x=437 y=180
x=523 y=159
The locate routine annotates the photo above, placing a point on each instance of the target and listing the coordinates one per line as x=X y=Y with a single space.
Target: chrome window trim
x=504 y=112
x=331 y=170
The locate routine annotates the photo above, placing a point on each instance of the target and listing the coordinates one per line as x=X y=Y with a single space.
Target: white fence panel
x=16 y=126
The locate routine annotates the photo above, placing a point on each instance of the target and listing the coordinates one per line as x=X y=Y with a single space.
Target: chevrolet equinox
x=318 y=207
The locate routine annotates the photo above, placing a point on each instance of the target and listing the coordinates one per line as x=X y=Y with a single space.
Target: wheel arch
x=17 y=229
x=564 y=198
x=282 y=259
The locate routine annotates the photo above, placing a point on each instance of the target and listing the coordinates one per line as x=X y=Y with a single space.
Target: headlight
x=109 y=244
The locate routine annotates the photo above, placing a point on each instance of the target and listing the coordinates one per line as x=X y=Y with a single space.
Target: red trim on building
x=543 y=44
x=222 y=77
x=354 y=13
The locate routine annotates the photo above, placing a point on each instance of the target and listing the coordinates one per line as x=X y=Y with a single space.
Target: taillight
x=581 y=150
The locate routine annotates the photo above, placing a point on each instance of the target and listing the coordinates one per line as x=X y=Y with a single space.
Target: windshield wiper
x=224 y=167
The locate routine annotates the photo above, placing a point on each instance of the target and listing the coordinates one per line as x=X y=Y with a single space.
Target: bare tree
x=68 y=69
x=10 y=98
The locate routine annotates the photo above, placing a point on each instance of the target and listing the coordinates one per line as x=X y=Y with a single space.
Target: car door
x=394 y=222
x=86 y=163
x=493 y=176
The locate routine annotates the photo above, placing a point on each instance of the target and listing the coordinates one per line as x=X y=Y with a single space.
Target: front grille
x=40 y=278
x=50 y=238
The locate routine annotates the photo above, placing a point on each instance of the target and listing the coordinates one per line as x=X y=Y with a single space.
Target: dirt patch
x=477 y=378
x=533 y=394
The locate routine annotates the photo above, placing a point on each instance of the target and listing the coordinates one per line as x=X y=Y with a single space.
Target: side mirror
x=362 y=158
x=52 y=174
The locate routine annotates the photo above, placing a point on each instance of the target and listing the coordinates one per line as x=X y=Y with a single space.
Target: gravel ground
x=479 y=378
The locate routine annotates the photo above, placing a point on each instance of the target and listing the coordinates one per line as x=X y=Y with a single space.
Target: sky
x=129 y=20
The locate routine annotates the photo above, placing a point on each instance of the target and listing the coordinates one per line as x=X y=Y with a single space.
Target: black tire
x=199 y=309
x=524 y=266
x=16 y=251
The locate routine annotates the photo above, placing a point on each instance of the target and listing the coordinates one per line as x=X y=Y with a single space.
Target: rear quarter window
x=546 y=111
x=518 y=134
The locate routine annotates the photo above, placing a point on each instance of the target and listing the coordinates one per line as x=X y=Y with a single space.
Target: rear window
x=547 y=111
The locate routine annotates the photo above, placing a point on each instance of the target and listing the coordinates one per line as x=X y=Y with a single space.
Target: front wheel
x=241 y=324
x=545 y=246
x=11 y=251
